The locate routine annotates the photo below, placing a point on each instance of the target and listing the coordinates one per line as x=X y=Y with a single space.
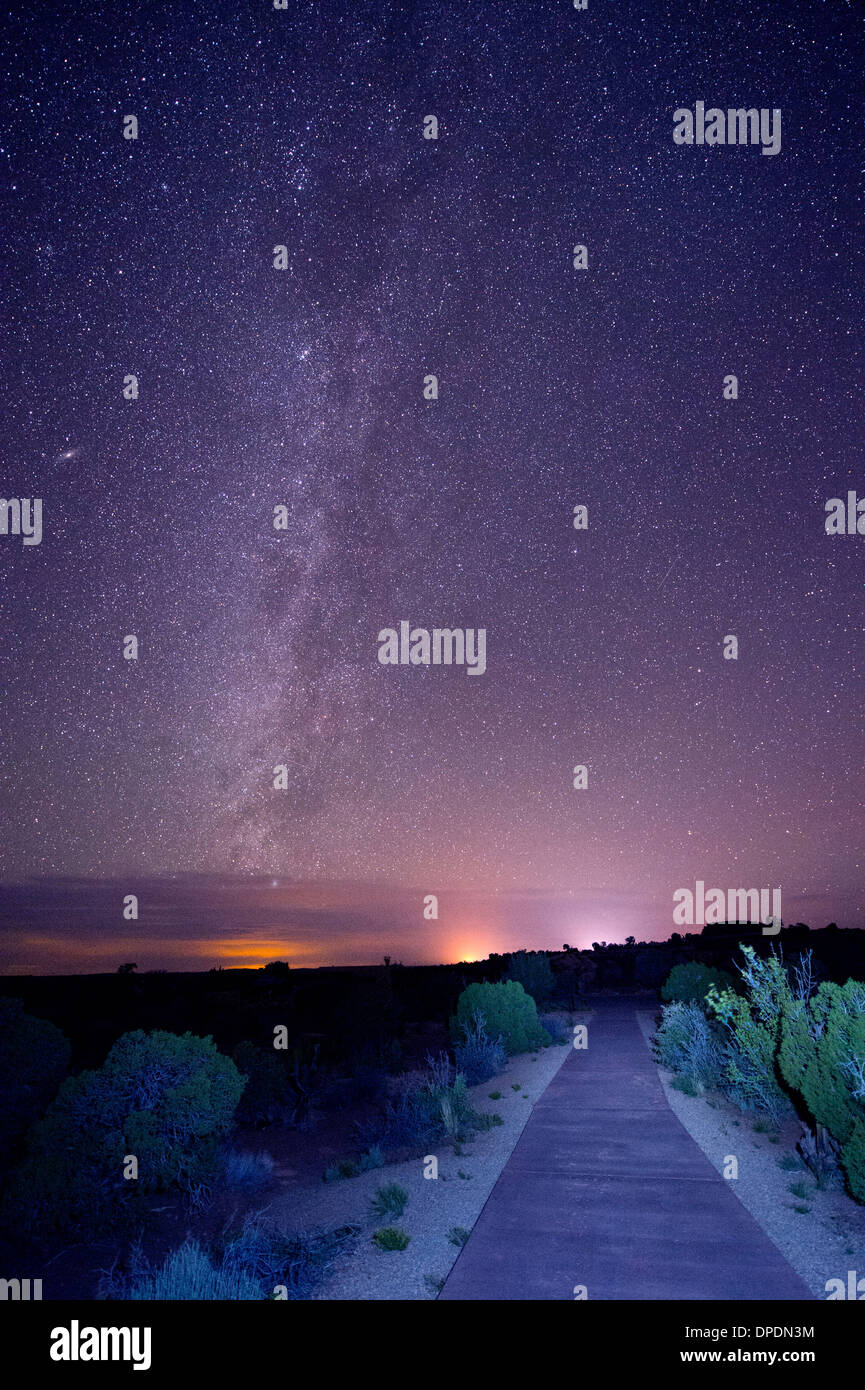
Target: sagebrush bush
x=507 y=1011
x=690 y=983
x=389 y=1200
x=556 y=1028
x=163 y=1098
x=478 y=1056
x=752 y=1023
x=687 y=1043
x=253 y=1263
x=247 y=1172
x=437 y=1106
x=189 y=1274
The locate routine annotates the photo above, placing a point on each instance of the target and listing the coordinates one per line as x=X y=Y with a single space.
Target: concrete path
x=606 y=1189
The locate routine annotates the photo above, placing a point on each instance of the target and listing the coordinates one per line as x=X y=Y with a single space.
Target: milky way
x=557 y=388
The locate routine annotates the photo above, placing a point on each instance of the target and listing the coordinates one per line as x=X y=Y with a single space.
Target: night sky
x=304 y=388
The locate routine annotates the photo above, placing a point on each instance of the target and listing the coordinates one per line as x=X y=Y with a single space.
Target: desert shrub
x=276 y=969
x=188 y=1273
x=822 y=1057
x=533 y=971
x=275 y=1259
x=389 y=1200
x=343 y=1168
x=373 y=1158
x=352 y=1167
x=556 y=1028
x=163 y=1098
x=410 y=1120
x=478 y=1056
x=391 y=1238
x=253 y=1262
x=266 y=1099
x=752 y=1025
x=435 y=1107
x=687 y=1043
x=368 y=1083
x=507 y=1012
x=34 y=1058
x=484 y=1120
x=247 y=1172
x=690 y=983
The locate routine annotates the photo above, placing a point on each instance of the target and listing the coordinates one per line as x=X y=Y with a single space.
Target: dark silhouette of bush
x=267 y=1097
x=690 y=983
x=650 y=968
x=34 y=1058
x=533 y=971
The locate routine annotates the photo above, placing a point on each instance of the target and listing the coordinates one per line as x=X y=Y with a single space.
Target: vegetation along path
x=607 y=1192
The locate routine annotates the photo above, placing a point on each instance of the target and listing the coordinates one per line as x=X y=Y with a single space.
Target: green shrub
x=164 y=1099
x=389 y=1200
x=690 y=983
x=391 y=1238
x=507 y=1010
x=822 y=1056
x=458 y=1235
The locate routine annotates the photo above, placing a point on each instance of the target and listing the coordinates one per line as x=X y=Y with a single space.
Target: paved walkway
x=605 y=1188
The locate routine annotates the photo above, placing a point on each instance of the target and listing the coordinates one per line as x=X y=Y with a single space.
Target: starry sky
x=303 y=388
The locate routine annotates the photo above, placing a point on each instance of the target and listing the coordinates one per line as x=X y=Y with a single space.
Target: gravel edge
x=435 y=1207
x=822 y=1243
